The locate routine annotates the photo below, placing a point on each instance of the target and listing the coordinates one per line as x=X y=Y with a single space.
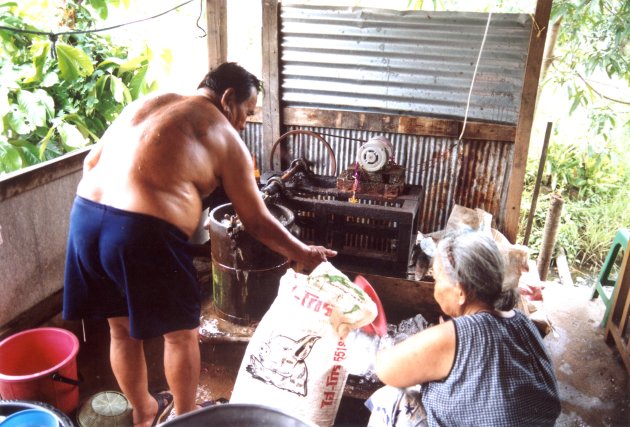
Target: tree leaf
x=35 y=107
x=49 y=80
x=576 y=102
x=5 y=107
x=15 y=120
x=46 y=100
x=10 y=158
x=101 y=85
x=71 y=137
x=109 y=63
x=44 y=142
x=119 y=90
x=80 y=124
x=100 y=6
x=73 y=62
x=30 y=154
x=137 y=84
x=39 y=53
x=18 y=142
x=132 y=64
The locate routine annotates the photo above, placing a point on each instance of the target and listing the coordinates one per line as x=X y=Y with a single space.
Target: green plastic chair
x=619 y=242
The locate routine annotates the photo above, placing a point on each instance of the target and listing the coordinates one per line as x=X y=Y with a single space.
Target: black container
x=245 y=273
x=237 y=414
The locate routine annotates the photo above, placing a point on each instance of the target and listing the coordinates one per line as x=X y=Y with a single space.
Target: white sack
x=295 y=359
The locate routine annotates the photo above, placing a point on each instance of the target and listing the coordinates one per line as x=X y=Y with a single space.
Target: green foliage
x=58 y=96
x=594 y=35
x=595 y=186
x=593 y=44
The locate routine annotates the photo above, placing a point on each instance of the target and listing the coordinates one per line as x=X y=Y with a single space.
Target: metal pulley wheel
x=375 y=154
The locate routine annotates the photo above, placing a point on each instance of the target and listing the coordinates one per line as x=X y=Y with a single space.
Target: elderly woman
x=485 y=366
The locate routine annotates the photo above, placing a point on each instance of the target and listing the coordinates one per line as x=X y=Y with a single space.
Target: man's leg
x=182 y=367
x=126 y=355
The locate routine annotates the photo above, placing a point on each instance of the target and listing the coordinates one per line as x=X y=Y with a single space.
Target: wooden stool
x=619 y=242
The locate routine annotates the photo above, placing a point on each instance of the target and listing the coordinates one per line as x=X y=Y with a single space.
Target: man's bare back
x=159 y=158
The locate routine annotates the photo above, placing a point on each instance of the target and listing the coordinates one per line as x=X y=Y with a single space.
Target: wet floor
x=592 y=379
x=593 y=382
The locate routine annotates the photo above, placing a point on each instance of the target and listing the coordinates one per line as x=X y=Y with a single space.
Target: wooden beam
x=540 y=22
x=375 y=122
x=216 y=16
x=271 y=78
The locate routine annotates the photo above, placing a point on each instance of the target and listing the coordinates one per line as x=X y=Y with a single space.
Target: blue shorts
x=121 y=263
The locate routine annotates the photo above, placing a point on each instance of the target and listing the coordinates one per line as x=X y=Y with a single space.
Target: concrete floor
x=593 y=382
x=592 y=379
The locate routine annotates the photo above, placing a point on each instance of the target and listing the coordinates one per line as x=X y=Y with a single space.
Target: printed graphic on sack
x=280 y=361
x=295 y=361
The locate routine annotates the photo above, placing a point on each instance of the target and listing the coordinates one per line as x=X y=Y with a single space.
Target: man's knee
x=181 y=337
x=119 y=327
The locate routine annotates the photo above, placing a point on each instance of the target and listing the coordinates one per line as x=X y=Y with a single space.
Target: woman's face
x=446 y=292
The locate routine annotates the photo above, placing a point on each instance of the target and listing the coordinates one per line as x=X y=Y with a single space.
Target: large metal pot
x=245 y=273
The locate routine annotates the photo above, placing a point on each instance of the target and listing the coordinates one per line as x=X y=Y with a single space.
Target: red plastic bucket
x=40 y=364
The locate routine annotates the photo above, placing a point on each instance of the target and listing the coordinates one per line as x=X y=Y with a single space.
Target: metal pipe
x=549 y=235
x=541 y=168
x=315 y=135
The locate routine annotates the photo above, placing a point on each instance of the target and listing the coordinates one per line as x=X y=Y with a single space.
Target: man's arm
x=237 y=176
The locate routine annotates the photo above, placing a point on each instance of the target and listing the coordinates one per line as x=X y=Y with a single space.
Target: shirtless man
x=138 y=203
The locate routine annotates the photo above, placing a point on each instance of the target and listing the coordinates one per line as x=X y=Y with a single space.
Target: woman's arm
x=427 y=356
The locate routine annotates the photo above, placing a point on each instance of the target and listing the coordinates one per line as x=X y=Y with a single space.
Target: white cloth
x=396 y=407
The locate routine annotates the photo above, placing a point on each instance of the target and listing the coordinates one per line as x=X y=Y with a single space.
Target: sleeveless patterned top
x=501 y=376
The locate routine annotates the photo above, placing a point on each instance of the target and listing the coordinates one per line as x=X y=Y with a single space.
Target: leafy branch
x=52 y=104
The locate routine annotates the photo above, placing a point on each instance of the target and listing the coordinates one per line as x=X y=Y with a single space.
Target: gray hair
x=473 y=259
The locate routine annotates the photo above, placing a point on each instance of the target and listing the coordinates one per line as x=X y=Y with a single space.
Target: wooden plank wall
x=272 y=113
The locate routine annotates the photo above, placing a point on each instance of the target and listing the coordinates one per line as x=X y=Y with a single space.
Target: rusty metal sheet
x=469 y=173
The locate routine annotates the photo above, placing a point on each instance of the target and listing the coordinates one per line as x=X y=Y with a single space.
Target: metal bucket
x=245 y=273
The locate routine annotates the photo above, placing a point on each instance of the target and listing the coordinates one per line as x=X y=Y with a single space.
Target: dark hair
x=473 y=259
x=231 y=75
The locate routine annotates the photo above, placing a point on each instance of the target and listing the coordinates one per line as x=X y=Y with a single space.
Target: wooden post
x=549 y=235
x=272 y=118
x=526 y=116
x=216 y=16
x=541 y=168
x=617 y=325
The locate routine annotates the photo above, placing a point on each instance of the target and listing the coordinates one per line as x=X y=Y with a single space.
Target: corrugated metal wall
x=403 y=62
x=409 y=63
x=470 y=173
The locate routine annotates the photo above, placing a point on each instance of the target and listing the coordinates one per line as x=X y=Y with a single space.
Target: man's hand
x=313 y=257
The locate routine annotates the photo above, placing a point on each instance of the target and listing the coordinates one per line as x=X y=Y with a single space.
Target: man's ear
x=227 y=97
